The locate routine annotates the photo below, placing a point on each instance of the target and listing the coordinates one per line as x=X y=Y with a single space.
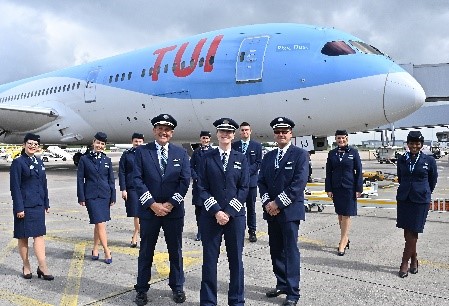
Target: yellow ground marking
x=437 y=265
x=162 y=263
x=314 y=184
x=71 y=290
x=311 y=241
x=7 y=249
x=19 y=299
x=364 y=201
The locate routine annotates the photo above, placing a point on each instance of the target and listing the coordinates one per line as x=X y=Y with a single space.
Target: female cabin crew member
x=417 y=176
x=344 y=184
x=28 y=185
x=126 y=182
x=96 y=191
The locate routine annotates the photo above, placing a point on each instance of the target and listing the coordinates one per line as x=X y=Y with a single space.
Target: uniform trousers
x=285 y=256
x=149 y=234
x=211 y=236
x=251 y=208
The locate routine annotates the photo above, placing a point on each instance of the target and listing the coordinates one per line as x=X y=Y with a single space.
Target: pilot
x=28 y=185
x=161 y=179
x=195 y=165
x=282 y=180
x=96 y=191
x=344 y=184
x=417 y=177
x=253 y=152
x=126 y=182
x=224 y=188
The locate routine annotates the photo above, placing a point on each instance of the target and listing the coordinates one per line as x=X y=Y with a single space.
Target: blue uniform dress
x=417 y=179
x=28 y=185
x=126 y=181
x=96 y=186
x=223 y=191
x=344 y=179
x=152 y=186
x=253 y=154
x=285 y=185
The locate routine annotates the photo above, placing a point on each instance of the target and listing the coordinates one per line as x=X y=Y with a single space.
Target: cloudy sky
x=40 y=36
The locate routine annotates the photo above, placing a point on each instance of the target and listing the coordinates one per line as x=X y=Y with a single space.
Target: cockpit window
x=365 y=48
x=336 y=48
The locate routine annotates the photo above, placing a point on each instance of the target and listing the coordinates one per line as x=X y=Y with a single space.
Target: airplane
x=322 y=78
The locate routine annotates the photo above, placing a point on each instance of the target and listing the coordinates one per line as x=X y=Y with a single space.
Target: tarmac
x=366 y=275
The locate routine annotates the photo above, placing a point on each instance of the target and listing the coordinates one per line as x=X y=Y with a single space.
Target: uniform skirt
x=99 y=210
x=412 y=216
x=345 y=202
x=132 y=203
x=33 y=225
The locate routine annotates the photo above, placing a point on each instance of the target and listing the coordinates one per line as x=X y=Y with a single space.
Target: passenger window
x=116 y=77
x=110 y=79
x=183 y=64
x=336 y=48
x=150 y=72
x=123 y=76
x=201 y=63
x=211 y=60
x=165 y=68
x=129 y=75
x=78 y=85
x=143 y=72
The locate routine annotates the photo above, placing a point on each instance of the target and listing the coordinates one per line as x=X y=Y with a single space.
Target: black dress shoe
x=26 y=276
x=402 y=274
x=289 y=303
x=414 y=270
x=275 y=292
x=141 y=298
x=45 y=277
x=252 y=236
x=179 y=296
x=198 y=237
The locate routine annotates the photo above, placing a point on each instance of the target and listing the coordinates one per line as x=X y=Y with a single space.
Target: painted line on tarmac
x=7 y=250
x=19 y=299
x=71 y=290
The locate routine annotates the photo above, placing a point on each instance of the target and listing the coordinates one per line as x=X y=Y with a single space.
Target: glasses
x=32 y=144
x=281 y=132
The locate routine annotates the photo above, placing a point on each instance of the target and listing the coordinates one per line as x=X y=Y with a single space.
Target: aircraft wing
x=16 y=118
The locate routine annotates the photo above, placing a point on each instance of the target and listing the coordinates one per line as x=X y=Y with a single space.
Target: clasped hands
x=161 y=209
x=222 y=217
x=272 y=208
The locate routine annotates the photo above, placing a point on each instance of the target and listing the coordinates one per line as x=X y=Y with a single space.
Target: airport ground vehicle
x=47 y=156
x=388 y=154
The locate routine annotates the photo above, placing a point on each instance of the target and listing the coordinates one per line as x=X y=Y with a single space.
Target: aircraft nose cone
x=402 y=96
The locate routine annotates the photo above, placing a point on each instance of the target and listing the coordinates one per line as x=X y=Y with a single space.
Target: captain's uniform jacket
x=28 y=183
x=95 y=178
x=416 y=181
x=154 y=186
x=254 y=156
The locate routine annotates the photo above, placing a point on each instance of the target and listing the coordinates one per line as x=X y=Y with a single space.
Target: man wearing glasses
x=282 y=180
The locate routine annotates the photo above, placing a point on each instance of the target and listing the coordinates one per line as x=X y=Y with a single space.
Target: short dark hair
x=244 y=123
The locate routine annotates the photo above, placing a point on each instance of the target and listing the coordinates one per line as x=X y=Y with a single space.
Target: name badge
x=237 y=167
x=288 y=168
x=351 y=156
x=290 y=162
x=176 y=160
x=176 y=165
x=106 y=165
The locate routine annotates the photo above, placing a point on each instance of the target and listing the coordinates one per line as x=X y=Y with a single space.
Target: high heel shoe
x=342 y=253
x=26 y=276
x=402 y=274
x=95 y=257
x=133 y=244
x=108 y=260
x=48 y=277
x=415 y=270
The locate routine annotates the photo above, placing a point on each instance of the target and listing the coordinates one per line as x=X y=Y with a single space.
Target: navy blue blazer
x=196 y=162
x=346 y=173
x=95 y=181
x=152 y=186
x=126 y=169
x=254 y=157
x=220 y=190
x=416 y=186
x=28 y=183
x=285 y=185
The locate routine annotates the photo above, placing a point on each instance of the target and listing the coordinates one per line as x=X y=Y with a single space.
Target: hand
x=358 y=194
x=272 y=208
x=47 y=210
x=168 y=205
x=222 y=217
x=159 y=209
x=21 y=215
x=82 y=203
x=330 y=195
x=112 y=203
x=124 y=195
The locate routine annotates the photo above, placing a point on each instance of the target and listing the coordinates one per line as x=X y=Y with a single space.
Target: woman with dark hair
x=28 y=185
x=344 y=184
x=96 y=191
x=417 y=176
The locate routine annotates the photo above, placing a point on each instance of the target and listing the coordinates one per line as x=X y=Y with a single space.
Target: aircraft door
x=249 y=66
x=90 y=94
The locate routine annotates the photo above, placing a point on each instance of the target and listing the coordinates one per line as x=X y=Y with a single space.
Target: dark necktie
x=224 y=160
x=244 y=147
x=278 y=160
x=34 y=162
x=163 y=159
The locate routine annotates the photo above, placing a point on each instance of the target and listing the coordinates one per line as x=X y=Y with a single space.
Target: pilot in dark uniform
x=417 y=176
x=126 y=182
x=344 y=184
x=195 y=167
x=96 y=191
x=224 y=188
x=253 y=152
x=28 y=185
x=161 y=179
x=282 y=180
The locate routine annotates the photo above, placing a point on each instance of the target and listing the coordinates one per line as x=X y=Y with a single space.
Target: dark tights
x=411 y=238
